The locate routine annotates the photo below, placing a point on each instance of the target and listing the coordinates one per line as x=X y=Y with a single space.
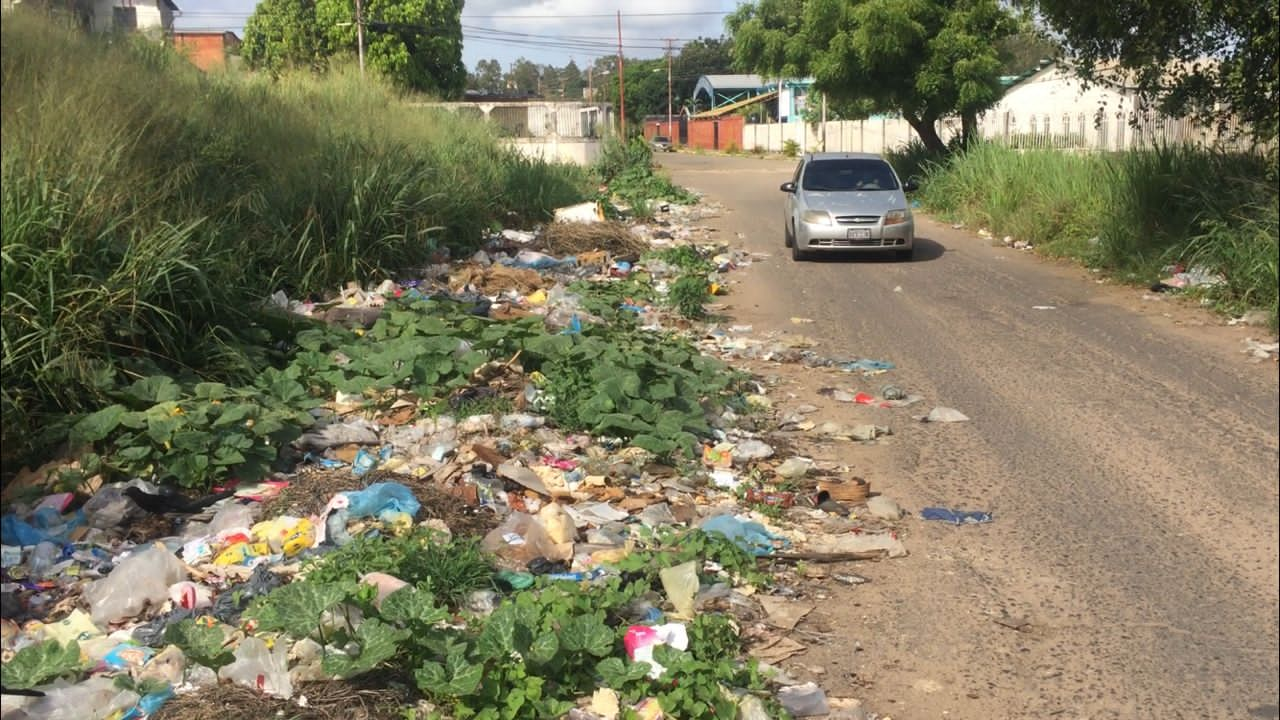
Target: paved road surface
x=1130 y=461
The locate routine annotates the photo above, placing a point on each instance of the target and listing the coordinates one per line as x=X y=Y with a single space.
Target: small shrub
x=791 y=148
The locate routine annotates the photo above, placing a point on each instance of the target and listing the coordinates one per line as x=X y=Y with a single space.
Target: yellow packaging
x=302 y=536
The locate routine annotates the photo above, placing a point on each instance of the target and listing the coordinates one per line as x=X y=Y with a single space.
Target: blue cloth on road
x=956 y=517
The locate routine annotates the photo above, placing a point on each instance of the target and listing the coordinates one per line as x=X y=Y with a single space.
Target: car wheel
x=797 y=254
x=787 y=238
x=904 y=255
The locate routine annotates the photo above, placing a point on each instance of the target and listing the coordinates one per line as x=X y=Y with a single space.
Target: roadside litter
x=483 y=463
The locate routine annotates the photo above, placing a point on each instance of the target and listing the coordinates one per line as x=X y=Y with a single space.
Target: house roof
x=734 y=82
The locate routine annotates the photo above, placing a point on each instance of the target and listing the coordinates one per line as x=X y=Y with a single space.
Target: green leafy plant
x=201 y=643
x=195 y=436
x=790 y=148
x=37 y=664
x=449 y=570
x=688 y=293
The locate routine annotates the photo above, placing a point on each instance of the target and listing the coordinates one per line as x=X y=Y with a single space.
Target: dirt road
x=1127 y=449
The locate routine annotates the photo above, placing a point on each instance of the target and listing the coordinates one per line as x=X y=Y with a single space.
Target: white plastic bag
x=143 y=577
x=259 y=668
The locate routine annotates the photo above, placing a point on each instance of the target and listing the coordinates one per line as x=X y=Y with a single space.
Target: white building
x=1055 y=91
x=149 y=16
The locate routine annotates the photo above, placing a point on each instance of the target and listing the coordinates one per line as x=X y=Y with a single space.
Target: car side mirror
x=910 y=186
x=787 y=187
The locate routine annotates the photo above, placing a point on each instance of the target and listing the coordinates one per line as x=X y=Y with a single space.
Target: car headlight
x=895 y=217
x=816 y=217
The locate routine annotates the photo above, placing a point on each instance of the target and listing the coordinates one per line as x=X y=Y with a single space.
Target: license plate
x=859 y=234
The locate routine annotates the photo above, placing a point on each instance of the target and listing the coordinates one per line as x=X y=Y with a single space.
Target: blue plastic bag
x=865 y=365
x=750 y=536
x=382 y=499
x=955 y=517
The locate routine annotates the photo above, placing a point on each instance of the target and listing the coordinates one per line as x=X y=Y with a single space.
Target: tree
x=283 y=34
x=704 y=56
x=924 y=59
x=415 y=43
x=552 y=85
x=488 y=76
x=524 y=76
x=646 y=89
x=1210 y=58
x=571 y=79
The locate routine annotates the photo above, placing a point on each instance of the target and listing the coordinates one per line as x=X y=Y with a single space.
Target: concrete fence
x=1079 y=131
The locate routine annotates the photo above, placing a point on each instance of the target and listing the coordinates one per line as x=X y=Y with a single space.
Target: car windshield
x=661 y=139
x=847 y=174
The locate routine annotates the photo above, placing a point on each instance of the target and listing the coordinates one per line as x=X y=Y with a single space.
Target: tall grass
x=1131 y=213
x=148 y=209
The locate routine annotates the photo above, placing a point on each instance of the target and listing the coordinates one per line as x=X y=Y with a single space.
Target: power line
x=232 y=14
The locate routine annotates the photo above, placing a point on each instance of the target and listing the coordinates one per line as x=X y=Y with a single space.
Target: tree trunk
x=928 y=135
x=968 y=128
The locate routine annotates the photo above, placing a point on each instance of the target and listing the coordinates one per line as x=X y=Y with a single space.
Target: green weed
x=149 y=210
x=1130 y=213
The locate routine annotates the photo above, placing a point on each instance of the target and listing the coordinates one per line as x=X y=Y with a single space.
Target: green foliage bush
x=1146 y=209
x=149 y=210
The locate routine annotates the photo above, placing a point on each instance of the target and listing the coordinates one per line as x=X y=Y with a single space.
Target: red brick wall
x=707 y=133
x=716 y=133
x=206 y=51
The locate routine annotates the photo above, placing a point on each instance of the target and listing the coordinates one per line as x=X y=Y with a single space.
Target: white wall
x=152 y=15
x=874 y=136
x=574 y=151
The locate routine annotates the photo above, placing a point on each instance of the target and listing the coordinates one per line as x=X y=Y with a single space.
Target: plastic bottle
x=43 y=558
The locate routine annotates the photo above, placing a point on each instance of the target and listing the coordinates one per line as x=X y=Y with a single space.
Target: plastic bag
x=143 y=577
x=522 y=537
x=259 y=668
x=681 y=584
x=559 y=526
x=804 y=700
x=108 y=508
x=382 y=500
x=228 y=517
x=93 y=699
x=640 y=641
x=750 y=536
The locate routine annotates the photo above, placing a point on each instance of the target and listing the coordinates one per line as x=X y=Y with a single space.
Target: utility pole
x=670 y=134
x=622 y=92
x=824 y=122
x=360 y=35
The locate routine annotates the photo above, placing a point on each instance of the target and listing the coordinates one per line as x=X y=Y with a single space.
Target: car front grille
x=857 y=219
x=858 y=243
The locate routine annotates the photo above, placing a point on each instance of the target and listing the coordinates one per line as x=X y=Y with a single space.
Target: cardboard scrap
x=783 y=613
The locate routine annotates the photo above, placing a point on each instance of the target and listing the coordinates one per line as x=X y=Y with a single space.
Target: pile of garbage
x=130 y=600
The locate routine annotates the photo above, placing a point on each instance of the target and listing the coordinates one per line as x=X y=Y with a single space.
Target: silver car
x=847 y=202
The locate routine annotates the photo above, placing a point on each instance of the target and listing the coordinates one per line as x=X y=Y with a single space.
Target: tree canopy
x=1211 y=58
x=415 y=43
x=924 y=59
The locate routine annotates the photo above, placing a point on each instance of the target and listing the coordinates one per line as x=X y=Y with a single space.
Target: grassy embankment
x=148 y=211
x=1128 y=213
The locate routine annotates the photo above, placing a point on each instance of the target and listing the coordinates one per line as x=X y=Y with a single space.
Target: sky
x=548 y=32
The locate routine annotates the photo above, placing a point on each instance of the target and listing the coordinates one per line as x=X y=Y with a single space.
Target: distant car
x=661 y=144
x=840 y=202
